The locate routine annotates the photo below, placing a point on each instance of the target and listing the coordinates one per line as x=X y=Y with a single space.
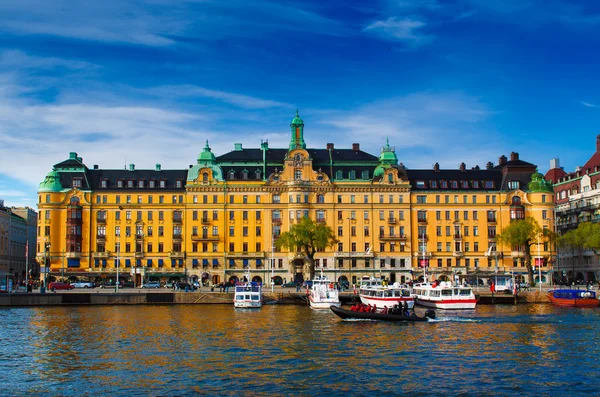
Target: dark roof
x=69 y=163
x=318 y=156
x=515 y=163
x=112 y=176
x=454 y=175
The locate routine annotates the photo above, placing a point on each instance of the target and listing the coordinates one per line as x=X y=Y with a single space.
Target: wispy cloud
x=405 y=29
x=587 y=104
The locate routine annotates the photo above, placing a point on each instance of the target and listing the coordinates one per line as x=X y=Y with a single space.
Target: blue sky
x=148 y=82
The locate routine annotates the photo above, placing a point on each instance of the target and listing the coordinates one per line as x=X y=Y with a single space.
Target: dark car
x=289 y=284
x=185 y=286
x=57 y=285
x=345 y=284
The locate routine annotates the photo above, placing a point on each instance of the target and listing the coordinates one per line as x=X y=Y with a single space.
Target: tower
x=297 y=128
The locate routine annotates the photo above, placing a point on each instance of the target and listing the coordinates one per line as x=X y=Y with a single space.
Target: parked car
x=83 y=284
x=182 y=286
x=151 y=284
x=289 y=284
x=128 y=284
x=110 y=284
x=57 y=285
x=169 y=284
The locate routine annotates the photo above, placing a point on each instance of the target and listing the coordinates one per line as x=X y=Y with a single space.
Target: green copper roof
x=206 y=155
x=380 y=170
x=539 y=184
x=51 y=183
x=297 y=120
x=388 y=154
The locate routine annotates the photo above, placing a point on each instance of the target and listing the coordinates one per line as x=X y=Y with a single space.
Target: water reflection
x=283 y=350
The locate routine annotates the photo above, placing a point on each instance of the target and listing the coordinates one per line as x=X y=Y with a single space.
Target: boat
x=444 y=295
x=573 y=298
x=373 y=292
x=346 y=314
x=248 y=294
x=323 y=294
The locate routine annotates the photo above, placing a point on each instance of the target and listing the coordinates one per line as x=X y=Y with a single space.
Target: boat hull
x=247 y=305
x=381 y=302
x=352 y=315
x=573 y=302
x=448 y=305
x=323 y=305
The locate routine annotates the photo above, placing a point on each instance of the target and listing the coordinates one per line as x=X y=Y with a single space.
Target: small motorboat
x=573 y=298
x=346 y=314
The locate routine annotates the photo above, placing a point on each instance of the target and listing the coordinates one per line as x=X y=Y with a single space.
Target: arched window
x=245 y=174
x=516 y=200
x=232 y=174
x=205 y=177
x=257 y=174
x=352 y=175
x=365 y=174
x=390 y=177
x=74 y=200
x=339 y=174
x=298 y=175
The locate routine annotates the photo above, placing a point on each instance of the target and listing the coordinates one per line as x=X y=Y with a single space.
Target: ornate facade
x=225 y=213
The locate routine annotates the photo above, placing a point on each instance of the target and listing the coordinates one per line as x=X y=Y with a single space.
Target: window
x=513 y=185
x=298 y=175
x=276 y=198
x=130 y=183
x=422 y=199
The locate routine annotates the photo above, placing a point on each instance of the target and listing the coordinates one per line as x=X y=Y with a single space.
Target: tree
x=585 y=237
x=307 y=237
x=525 y=233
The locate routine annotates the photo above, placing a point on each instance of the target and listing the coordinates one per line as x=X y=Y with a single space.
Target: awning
x=215 y=262
x=149 y=274
x=149 y=262
x=204 y=262
x=259 y=262
x=194 y=262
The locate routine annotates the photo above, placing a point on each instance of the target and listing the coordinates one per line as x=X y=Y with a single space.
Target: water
x=291 y=350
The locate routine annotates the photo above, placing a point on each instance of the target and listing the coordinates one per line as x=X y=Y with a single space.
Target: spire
x=297 y=129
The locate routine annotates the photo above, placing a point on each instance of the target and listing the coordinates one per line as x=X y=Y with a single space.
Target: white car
x=83 y=284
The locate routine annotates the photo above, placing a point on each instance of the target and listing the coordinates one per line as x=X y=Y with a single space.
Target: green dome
x=388 y=154
x=51 y=183
x=297 y=120
x=206 y=156
x=380 y=170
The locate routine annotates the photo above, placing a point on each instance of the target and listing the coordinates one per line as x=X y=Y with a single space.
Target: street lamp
x=46 y=263
x=539 y=263
x=118 y=260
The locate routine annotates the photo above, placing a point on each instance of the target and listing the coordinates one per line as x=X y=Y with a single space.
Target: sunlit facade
x=223 y=215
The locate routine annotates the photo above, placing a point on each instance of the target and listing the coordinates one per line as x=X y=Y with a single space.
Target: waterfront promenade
x=204 y=295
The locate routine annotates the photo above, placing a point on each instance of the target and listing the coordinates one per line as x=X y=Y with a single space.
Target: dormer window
x=152 y=184
x=276 y=177
x=319 y=177
x=119 y=183
x=298 y=175
x=513 y=185
x=454 y=184
x=475 y=184
x=352 y=175
x=163 y=184
x=178 y=184
x=444 y=184
x=257 y=175
x=390 y=177
x=245 y=174
x=77 y=182
x=205 y=177
x=130 y=184
x=433 y=184
x=365 y=174
x=464 y=184
x=339 y=174
x=141 y=184
x=488 y=184
x=104 y=183
x=421 y=184
x=231 y=174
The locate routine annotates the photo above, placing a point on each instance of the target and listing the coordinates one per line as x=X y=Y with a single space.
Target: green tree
x=585 y=237
x=307 y=237
x=525 y=233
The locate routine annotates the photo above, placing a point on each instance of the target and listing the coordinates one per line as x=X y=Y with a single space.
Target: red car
x=59 y=285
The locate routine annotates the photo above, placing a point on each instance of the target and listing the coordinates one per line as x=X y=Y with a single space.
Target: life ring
x=331 y=285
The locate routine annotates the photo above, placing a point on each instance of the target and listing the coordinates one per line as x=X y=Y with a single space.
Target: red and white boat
x=573 y=298
x=373 y=292
x=444 y=295
x=323 y=294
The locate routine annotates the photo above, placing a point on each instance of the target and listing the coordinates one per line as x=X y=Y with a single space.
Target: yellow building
x=223 y=215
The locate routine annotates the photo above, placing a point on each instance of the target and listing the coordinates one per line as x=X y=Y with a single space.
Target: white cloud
x=404 y=29
x=587 y=104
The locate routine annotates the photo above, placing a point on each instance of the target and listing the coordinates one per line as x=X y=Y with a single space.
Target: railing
x=400 y=237
x=422 y=220
x=101 y=236
x=101 y=219
x=177 y=236
x=276 y=221
x=245 y=254
x=392 y=220
x=339 y=254
x=204 y=237
x=73 y=254
x=458 y=254
x=177 y=219
x=517 y=254
x=206 y=221
x=176 y=255
x=101 y=255
x=139 y=255
x=491 y=219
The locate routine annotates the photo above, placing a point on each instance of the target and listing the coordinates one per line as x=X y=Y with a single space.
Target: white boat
x=248 y=294
x=444 y=295
x=323 y=293
x=373 y=292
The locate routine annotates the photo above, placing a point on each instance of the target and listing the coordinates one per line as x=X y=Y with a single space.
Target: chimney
x=489 y=165
x=502 y=160
x=131 y=167
x=190 y=166
x=95 y=166
x=514 y=156
x=598 y=143
x=356 y=147
x=157 y=167
x=237 y=147
x=554 y=163
x=436 y=167
x=476 y=168
x=73 y=155
x=330 y=146
x=462 y=167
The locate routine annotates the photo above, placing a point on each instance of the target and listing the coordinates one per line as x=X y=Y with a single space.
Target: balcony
x=177 y=236
x=176 y=255
x=245 y=255
x=353 y=255
x=458 y=254
x=139 y=237
x=276 y=221
x=101 y=220
x=177 y=219
x=73 y=254
x=392 y=237
x=458 y=237
x=392 y=221
x=423 y=237
x=491 y=219
x=320 y=220
x=517 y=254
x=204 y=237
x=101 y=255
x=420 y=254
x=101 y=237
x=206 y=221
x=422 y=220
x=139 y=255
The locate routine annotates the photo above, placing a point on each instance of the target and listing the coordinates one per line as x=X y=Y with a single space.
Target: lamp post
x=272 y=263
x=349 y=250
x=46 y=264
x=539 y=264
x=118 y=260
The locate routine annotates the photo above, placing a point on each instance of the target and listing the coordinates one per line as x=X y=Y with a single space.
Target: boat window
x=465 y=292
x=447 y=292
x=387 y=293
x=405 y=292
x=380 y=293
